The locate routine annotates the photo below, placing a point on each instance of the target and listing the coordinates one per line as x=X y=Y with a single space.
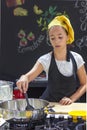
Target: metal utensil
x=29 y=107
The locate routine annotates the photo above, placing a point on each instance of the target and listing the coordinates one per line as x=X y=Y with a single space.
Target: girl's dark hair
x=65 y=30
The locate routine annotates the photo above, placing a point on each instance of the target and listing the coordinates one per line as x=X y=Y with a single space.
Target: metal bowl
x=17 y=108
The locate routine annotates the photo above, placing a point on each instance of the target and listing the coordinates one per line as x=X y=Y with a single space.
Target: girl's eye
x=52 y=38
x=60 y=37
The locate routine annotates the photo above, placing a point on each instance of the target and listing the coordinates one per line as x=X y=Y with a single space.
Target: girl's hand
x=65 y=101
x=22 y=83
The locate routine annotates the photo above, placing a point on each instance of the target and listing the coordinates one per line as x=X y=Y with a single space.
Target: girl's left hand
x=65 y=101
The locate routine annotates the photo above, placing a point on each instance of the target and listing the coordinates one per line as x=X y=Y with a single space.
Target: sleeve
x=45 y=61
x=79 y=59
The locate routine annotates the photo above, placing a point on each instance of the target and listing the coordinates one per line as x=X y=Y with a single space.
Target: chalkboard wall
x=23 y=32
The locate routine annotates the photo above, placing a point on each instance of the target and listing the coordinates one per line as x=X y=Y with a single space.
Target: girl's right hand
x=22 y=83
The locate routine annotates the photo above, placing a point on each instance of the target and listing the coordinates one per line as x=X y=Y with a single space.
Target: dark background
x=13 y=63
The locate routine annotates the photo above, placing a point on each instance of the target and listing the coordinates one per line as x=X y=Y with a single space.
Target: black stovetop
x=48 y=123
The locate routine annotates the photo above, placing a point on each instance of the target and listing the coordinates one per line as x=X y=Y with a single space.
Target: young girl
x=65 y=69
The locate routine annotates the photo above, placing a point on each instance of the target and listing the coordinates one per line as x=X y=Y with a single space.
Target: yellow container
x=77 y=113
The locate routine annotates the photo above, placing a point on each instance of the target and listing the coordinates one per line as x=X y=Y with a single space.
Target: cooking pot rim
x=14 y=100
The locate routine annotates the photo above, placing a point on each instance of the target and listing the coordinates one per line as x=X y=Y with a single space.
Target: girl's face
x=58 y=37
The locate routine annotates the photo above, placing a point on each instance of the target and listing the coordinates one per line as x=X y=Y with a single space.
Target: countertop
x=67 y=108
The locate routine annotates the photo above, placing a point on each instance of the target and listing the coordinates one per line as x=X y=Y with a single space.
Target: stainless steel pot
x=17 y=109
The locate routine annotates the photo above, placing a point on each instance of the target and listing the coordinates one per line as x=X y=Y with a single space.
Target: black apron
x=59 y=85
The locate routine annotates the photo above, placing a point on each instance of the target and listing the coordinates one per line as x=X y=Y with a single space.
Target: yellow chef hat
x=63 y=21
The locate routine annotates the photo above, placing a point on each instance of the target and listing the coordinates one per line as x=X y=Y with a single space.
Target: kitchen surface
x=45 y=115
x=66 y=108
x=53 y=117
